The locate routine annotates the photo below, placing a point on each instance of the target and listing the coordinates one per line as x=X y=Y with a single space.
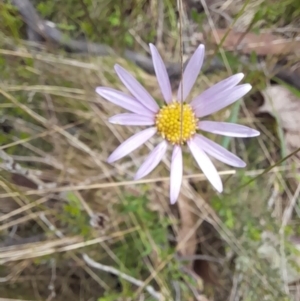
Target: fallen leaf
x=23 y=181
x=283 y=105
x=261 y=44
x=187 y=237
x=280 y=101
x=292 y=140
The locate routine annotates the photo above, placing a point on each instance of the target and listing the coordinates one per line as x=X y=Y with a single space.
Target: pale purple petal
x=131 y=144
x=227 y=129
x=221 y=87
x=206 y=165
x=191 y=73
x=220 y=101
x=152 y=160
x=217 y=151
x=136 y=89
x=132 y=119
x=176 y=174
x=161 y=74
x=123 y=100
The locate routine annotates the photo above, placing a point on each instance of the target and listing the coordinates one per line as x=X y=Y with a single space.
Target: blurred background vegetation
x=75 y=228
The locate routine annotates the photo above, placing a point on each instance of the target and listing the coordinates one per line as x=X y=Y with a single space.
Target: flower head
x=178 y=123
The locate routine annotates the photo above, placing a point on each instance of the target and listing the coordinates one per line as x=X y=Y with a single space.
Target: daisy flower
x=166 y=120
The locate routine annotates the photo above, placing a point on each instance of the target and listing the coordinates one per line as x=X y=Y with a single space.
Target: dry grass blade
x=21 y=252
x=201 y=177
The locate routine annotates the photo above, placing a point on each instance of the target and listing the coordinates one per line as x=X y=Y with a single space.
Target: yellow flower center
x=168 y=123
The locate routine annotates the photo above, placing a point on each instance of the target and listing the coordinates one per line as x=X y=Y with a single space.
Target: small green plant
x=75 y=218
